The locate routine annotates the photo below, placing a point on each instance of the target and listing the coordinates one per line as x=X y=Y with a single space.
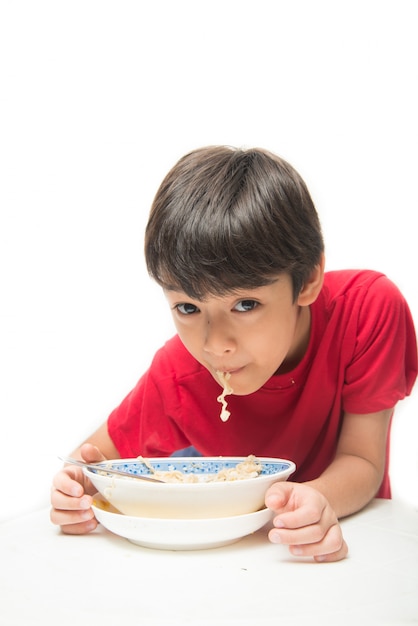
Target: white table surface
x=102 y=579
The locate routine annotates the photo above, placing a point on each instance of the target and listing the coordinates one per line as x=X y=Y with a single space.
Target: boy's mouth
x=227 y=370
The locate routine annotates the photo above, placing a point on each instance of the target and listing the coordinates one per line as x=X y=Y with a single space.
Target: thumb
x=91 y=454
x=278 y=495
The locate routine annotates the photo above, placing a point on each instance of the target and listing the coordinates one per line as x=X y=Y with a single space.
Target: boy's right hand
x=71 y=495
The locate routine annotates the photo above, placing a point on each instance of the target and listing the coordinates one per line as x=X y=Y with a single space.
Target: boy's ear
x=313 y=285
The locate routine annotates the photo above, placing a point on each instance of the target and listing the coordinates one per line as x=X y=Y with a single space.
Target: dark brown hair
x=226 y=219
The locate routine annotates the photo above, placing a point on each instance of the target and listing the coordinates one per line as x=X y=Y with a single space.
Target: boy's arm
x=355 y=475
x=101 y=440
x=307 y=514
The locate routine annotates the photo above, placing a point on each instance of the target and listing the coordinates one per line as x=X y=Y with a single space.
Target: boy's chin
x=245 y=388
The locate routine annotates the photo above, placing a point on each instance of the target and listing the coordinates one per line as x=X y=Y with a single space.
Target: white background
x=98 y=100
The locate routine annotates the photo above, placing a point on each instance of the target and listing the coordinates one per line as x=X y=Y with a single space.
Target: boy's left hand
x=305 y=521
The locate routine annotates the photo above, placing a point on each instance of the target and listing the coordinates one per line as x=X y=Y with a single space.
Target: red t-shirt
x=361 y=358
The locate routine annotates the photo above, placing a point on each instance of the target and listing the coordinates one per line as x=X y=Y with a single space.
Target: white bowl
x=200 y=500
x=179 y=534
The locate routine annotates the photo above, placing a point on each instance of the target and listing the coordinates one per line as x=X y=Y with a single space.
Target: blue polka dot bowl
x=192 y=488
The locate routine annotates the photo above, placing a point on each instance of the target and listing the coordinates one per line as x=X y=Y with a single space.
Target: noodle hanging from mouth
x=227 y=390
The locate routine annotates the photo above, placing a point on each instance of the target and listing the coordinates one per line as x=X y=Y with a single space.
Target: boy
x=316 y=361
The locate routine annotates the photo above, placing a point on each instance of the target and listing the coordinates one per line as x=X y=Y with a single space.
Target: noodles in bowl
x=194 y=488
x=248 y=468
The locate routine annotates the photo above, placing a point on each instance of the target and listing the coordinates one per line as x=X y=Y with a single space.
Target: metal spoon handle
x=108 y=470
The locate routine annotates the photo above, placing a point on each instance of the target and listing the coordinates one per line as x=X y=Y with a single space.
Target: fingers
x=63 y=502
x=338 y=555
x=74 y=522
x=74 y=515
x=71 y=506
x=305 y=522
x=71 y=495
x=311 y=530
x=312 y=541
x=69 y=481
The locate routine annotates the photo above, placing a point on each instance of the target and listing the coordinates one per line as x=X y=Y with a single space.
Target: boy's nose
x=218 y=338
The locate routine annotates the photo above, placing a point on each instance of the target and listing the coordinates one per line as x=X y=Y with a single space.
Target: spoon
x=108 y=470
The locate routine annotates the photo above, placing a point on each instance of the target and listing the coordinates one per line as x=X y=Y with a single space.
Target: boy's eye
x=246 y=305
x=186 y=308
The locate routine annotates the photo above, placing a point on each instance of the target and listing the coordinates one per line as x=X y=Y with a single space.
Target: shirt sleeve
x=144 y=423
x=123 y=423
x=384 y=364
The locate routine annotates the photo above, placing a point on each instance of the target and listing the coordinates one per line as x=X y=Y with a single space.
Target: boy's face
x=250 y=333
